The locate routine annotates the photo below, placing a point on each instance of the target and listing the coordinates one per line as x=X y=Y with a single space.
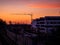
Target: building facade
x=47 y=23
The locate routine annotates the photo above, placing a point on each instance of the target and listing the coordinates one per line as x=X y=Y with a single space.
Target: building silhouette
x=47 y=23
x=42 y=31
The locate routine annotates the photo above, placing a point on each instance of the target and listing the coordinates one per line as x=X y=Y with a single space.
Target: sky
x=38 y=8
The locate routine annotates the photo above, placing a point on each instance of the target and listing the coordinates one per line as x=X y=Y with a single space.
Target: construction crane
x=23 y=14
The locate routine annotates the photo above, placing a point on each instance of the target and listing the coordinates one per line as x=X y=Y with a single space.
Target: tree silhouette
x=2 y=31
x=4 y=39
x=2 y=26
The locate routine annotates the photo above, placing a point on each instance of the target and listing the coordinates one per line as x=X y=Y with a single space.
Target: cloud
x=44 y=5
x=33 y=3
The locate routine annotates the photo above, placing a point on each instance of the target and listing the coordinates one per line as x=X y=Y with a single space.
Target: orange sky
x=37 y=8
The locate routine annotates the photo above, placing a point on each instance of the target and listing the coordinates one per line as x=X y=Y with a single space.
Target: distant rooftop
x=47 y=18
x=52 y=17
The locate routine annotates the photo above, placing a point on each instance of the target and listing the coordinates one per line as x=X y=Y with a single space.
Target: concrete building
x=47 y=23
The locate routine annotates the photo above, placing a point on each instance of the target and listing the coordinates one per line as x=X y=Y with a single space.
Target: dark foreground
x=25 y=35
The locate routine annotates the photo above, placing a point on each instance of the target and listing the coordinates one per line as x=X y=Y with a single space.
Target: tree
x=2 y=26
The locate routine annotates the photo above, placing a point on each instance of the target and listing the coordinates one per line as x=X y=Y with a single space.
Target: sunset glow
x=38 y=8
